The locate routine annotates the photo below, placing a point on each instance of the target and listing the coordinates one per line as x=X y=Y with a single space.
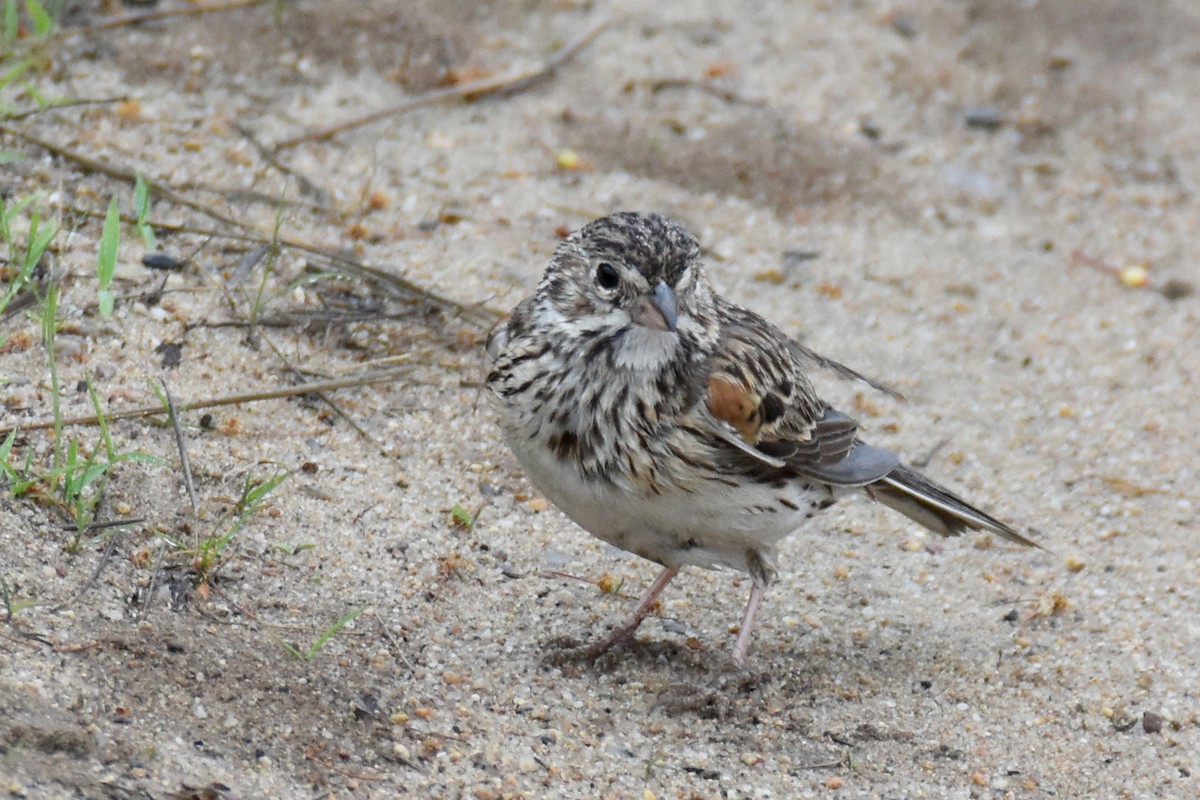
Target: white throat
x=645 y=349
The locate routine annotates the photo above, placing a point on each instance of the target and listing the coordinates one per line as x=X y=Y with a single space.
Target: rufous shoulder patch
x=728 y=400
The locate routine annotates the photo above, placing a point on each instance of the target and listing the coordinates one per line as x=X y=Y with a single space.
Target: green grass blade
x=330 y=632
x=7 y=470
x=101 y=422
x=12 y=25
x=43 y=23
x=138 y=457
x=39 y=239
x=15 y=71
x=106 y=260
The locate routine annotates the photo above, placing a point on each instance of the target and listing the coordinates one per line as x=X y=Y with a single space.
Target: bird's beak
x=657 y=310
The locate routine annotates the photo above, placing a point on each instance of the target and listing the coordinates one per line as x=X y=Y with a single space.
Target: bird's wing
x=759 y=397
x=763 y=404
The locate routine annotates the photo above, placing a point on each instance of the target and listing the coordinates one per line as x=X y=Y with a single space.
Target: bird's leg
x=742 y=644
x=714 y=698
x=626 y=629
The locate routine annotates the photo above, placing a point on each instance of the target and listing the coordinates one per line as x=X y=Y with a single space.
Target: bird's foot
x=714 y=698
x=601 y=654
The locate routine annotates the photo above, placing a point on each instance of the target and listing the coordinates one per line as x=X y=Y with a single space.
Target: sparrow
x=679 y=426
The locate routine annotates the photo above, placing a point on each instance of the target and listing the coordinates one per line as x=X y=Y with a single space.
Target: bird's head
x=634 y=283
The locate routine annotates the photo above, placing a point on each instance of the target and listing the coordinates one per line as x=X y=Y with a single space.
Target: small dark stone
x=1177 y=290
x=206 y=421
x=905 y=24
x=987 y=118
x=162 y=261
x=794 y=258
x=172 y=354
x=926 y=684
x=367 y=705
x=1151 y=722
x=1011 y=616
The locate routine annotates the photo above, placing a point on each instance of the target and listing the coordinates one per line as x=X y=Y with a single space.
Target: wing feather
x=757 y=390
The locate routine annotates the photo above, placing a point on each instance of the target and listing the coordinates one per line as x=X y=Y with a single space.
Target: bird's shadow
x=693 y=680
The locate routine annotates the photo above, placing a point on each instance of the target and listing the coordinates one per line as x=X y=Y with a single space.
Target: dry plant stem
x=397 y=651
x=727 y=95
x=120 y=173
x=184 y=461
x=188 y=11
x=248 y=233
x=471 y=90
x=370 y=378
x=307 y=186
x=154 y=576
x=108 y=551
x=378 y=277
x=99 y=101
x=295 y=371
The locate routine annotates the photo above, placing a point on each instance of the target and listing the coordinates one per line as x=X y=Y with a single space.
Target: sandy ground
x=902 y=187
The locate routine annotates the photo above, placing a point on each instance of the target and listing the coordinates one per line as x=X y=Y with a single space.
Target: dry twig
x=368 y=379
x=391 y=284
x=471 y=90
x=184 y=461
x=149 y=16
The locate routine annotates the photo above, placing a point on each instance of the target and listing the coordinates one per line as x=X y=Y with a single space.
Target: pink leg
x=626 y=629
x=743 y=638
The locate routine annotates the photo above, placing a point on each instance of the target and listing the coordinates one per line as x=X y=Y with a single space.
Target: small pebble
x=162 y=261
x=568 y=159
x=905 y=24
x=986 y=118
x=1151 y=722
x=1135 y=276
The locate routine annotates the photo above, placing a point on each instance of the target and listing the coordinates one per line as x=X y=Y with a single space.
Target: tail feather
x=936 y=507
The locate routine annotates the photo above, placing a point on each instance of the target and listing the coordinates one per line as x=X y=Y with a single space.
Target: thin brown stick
x=324 y=397
x=471 y=90
x=108 y=551
x=97 y=101
x=248 y=233
x=368 y=379
x=153 y=584
x=307 y=186
x=125 y=174
x=728 y=95
x=149 y=16
x=184 y=461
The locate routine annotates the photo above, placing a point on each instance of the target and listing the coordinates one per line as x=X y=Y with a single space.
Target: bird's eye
x=607 y=276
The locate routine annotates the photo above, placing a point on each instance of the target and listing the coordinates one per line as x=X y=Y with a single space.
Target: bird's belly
x=712 y=525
